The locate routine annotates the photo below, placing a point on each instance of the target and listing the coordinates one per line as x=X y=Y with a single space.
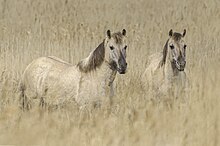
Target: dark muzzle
x=122 y=65
x=180 y=65
x=122 y=69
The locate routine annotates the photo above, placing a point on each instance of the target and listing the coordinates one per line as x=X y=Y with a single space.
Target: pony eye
x=184 y=46
x=111 y=47
x=171 y=46
x=125 y=47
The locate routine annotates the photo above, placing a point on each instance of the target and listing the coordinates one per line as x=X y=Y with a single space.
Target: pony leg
x=42 y=102
x=111 y=94
x=24 y=102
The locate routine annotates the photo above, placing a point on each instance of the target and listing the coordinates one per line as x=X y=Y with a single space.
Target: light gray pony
x=165 y=71
x=53 y=81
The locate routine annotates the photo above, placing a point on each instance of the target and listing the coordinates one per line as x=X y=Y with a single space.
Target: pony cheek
x=124 y=55
x=174 y=55
x=114 y=57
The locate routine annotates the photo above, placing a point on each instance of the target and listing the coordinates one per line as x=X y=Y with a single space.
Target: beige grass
x=70 y=30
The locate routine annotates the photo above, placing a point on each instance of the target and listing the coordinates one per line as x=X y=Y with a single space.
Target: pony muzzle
x=180 y=65
x=122 y=69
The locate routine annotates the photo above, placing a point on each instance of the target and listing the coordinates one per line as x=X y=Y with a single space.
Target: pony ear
x=124 y=32
x=109 y=34
x=171 y=33
x=184 y=32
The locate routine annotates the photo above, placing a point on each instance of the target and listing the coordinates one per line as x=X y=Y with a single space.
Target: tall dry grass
x=70 y=30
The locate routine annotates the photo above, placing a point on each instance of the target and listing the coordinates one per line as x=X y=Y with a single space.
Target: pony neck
x=109 y=73
x=170 y=68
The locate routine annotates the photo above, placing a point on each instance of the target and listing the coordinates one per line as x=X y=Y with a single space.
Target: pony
x=165 y=70
x=53 y=81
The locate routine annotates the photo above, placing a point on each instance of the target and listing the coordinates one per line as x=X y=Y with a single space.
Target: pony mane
x=162 y=62
x=94 y=60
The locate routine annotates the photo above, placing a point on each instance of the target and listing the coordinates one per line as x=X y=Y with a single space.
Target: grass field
x=70 y=29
